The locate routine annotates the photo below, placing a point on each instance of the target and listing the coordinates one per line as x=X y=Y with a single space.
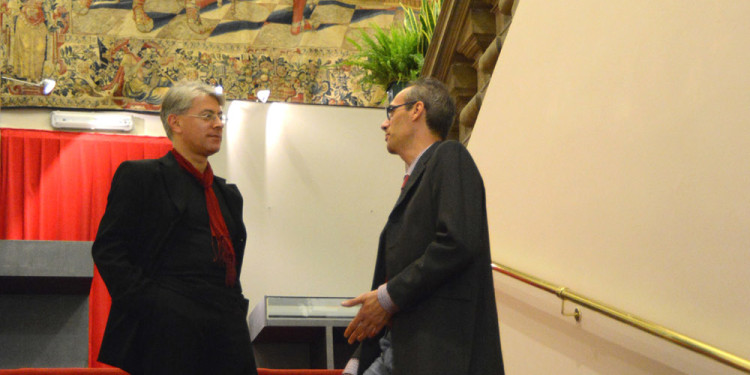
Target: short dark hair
x=179 y=99
x=438 y=104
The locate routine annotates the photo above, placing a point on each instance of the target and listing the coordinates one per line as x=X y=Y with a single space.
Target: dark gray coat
x=434 y=253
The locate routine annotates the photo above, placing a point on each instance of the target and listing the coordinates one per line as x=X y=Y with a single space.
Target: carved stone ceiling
x=464 y=49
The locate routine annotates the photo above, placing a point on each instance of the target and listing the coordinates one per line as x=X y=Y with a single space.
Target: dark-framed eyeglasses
x=211 y=117
x=389 y=109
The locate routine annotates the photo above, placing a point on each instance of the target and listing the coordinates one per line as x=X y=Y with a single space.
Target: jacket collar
x=174 y=179
x=418 y=171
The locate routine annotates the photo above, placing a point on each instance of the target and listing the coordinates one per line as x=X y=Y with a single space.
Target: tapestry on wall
x=125 y=54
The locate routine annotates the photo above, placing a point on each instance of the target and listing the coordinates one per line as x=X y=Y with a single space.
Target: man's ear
x=417 y=111
x=174 y=124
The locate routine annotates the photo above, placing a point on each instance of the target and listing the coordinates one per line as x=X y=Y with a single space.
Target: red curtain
x=54 y=186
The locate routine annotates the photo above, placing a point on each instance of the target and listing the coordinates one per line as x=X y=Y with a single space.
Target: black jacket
x=145 y=203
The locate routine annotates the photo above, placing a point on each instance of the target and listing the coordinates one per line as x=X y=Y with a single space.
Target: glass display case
x=279 y=323
x=308 y=308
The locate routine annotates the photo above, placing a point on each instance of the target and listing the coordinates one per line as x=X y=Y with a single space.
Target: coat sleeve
x=458 y=200
x=118 y=247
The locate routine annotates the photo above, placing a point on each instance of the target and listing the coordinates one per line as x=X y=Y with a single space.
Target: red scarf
x=221 y=241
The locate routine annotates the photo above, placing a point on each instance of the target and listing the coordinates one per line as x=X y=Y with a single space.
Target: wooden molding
x=463 y=52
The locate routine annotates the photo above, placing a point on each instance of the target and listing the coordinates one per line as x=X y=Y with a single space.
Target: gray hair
x=438 y=104
x=179 y=99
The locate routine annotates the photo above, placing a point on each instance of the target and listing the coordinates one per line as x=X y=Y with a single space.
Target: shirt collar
x=410 y=168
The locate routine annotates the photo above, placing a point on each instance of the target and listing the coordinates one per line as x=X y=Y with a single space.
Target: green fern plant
x=424 y=23
x=387 y=56
x=395 y=55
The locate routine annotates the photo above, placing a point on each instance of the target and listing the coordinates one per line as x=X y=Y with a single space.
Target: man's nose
x=385 y=124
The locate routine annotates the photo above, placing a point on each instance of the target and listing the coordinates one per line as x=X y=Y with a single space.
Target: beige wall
x=614 y=145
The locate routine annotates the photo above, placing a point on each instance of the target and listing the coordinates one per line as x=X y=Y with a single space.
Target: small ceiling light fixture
x=263 y=95
x=46 y=84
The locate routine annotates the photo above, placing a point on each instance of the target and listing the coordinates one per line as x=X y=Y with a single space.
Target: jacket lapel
x=176 y=183
x=175 y=189
x=233 y=198
x=173 y=181
x=416 y=174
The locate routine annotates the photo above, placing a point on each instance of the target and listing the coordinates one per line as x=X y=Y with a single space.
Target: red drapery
x=54 y=186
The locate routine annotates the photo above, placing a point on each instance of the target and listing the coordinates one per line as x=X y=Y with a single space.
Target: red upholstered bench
x=63 y=371
x=108 y=371
x=265 y=371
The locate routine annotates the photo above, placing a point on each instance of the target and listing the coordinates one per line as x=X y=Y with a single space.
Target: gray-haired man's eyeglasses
x=211 y=117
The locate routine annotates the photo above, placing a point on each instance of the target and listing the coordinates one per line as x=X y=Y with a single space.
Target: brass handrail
x=629 y=319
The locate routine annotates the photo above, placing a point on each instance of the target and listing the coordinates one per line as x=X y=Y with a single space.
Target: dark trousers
x=181 y=336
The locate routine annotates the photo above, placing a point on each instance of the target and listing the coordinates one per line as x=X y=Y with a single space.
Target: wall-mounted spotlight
x=46 y=84
x=263 y=95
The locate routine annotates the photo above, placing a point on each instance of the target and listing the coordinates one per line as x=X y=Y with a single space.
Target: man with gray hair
x=169 y=249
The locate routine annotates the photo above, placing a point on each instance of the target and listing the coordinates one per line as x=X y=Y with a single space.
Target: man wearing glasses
x=169 y=248
x=432 y=305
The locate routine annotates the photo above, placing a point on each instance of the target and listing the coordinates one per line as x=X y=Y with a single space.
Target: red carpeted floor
x=107 y=371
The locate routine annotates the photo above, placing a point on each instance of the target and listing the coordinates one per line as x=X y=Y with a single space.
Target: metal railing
x=657 y=330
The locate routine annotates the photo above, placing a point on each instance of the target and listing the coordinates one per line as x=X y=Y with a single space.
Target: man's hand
x=370 y=319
